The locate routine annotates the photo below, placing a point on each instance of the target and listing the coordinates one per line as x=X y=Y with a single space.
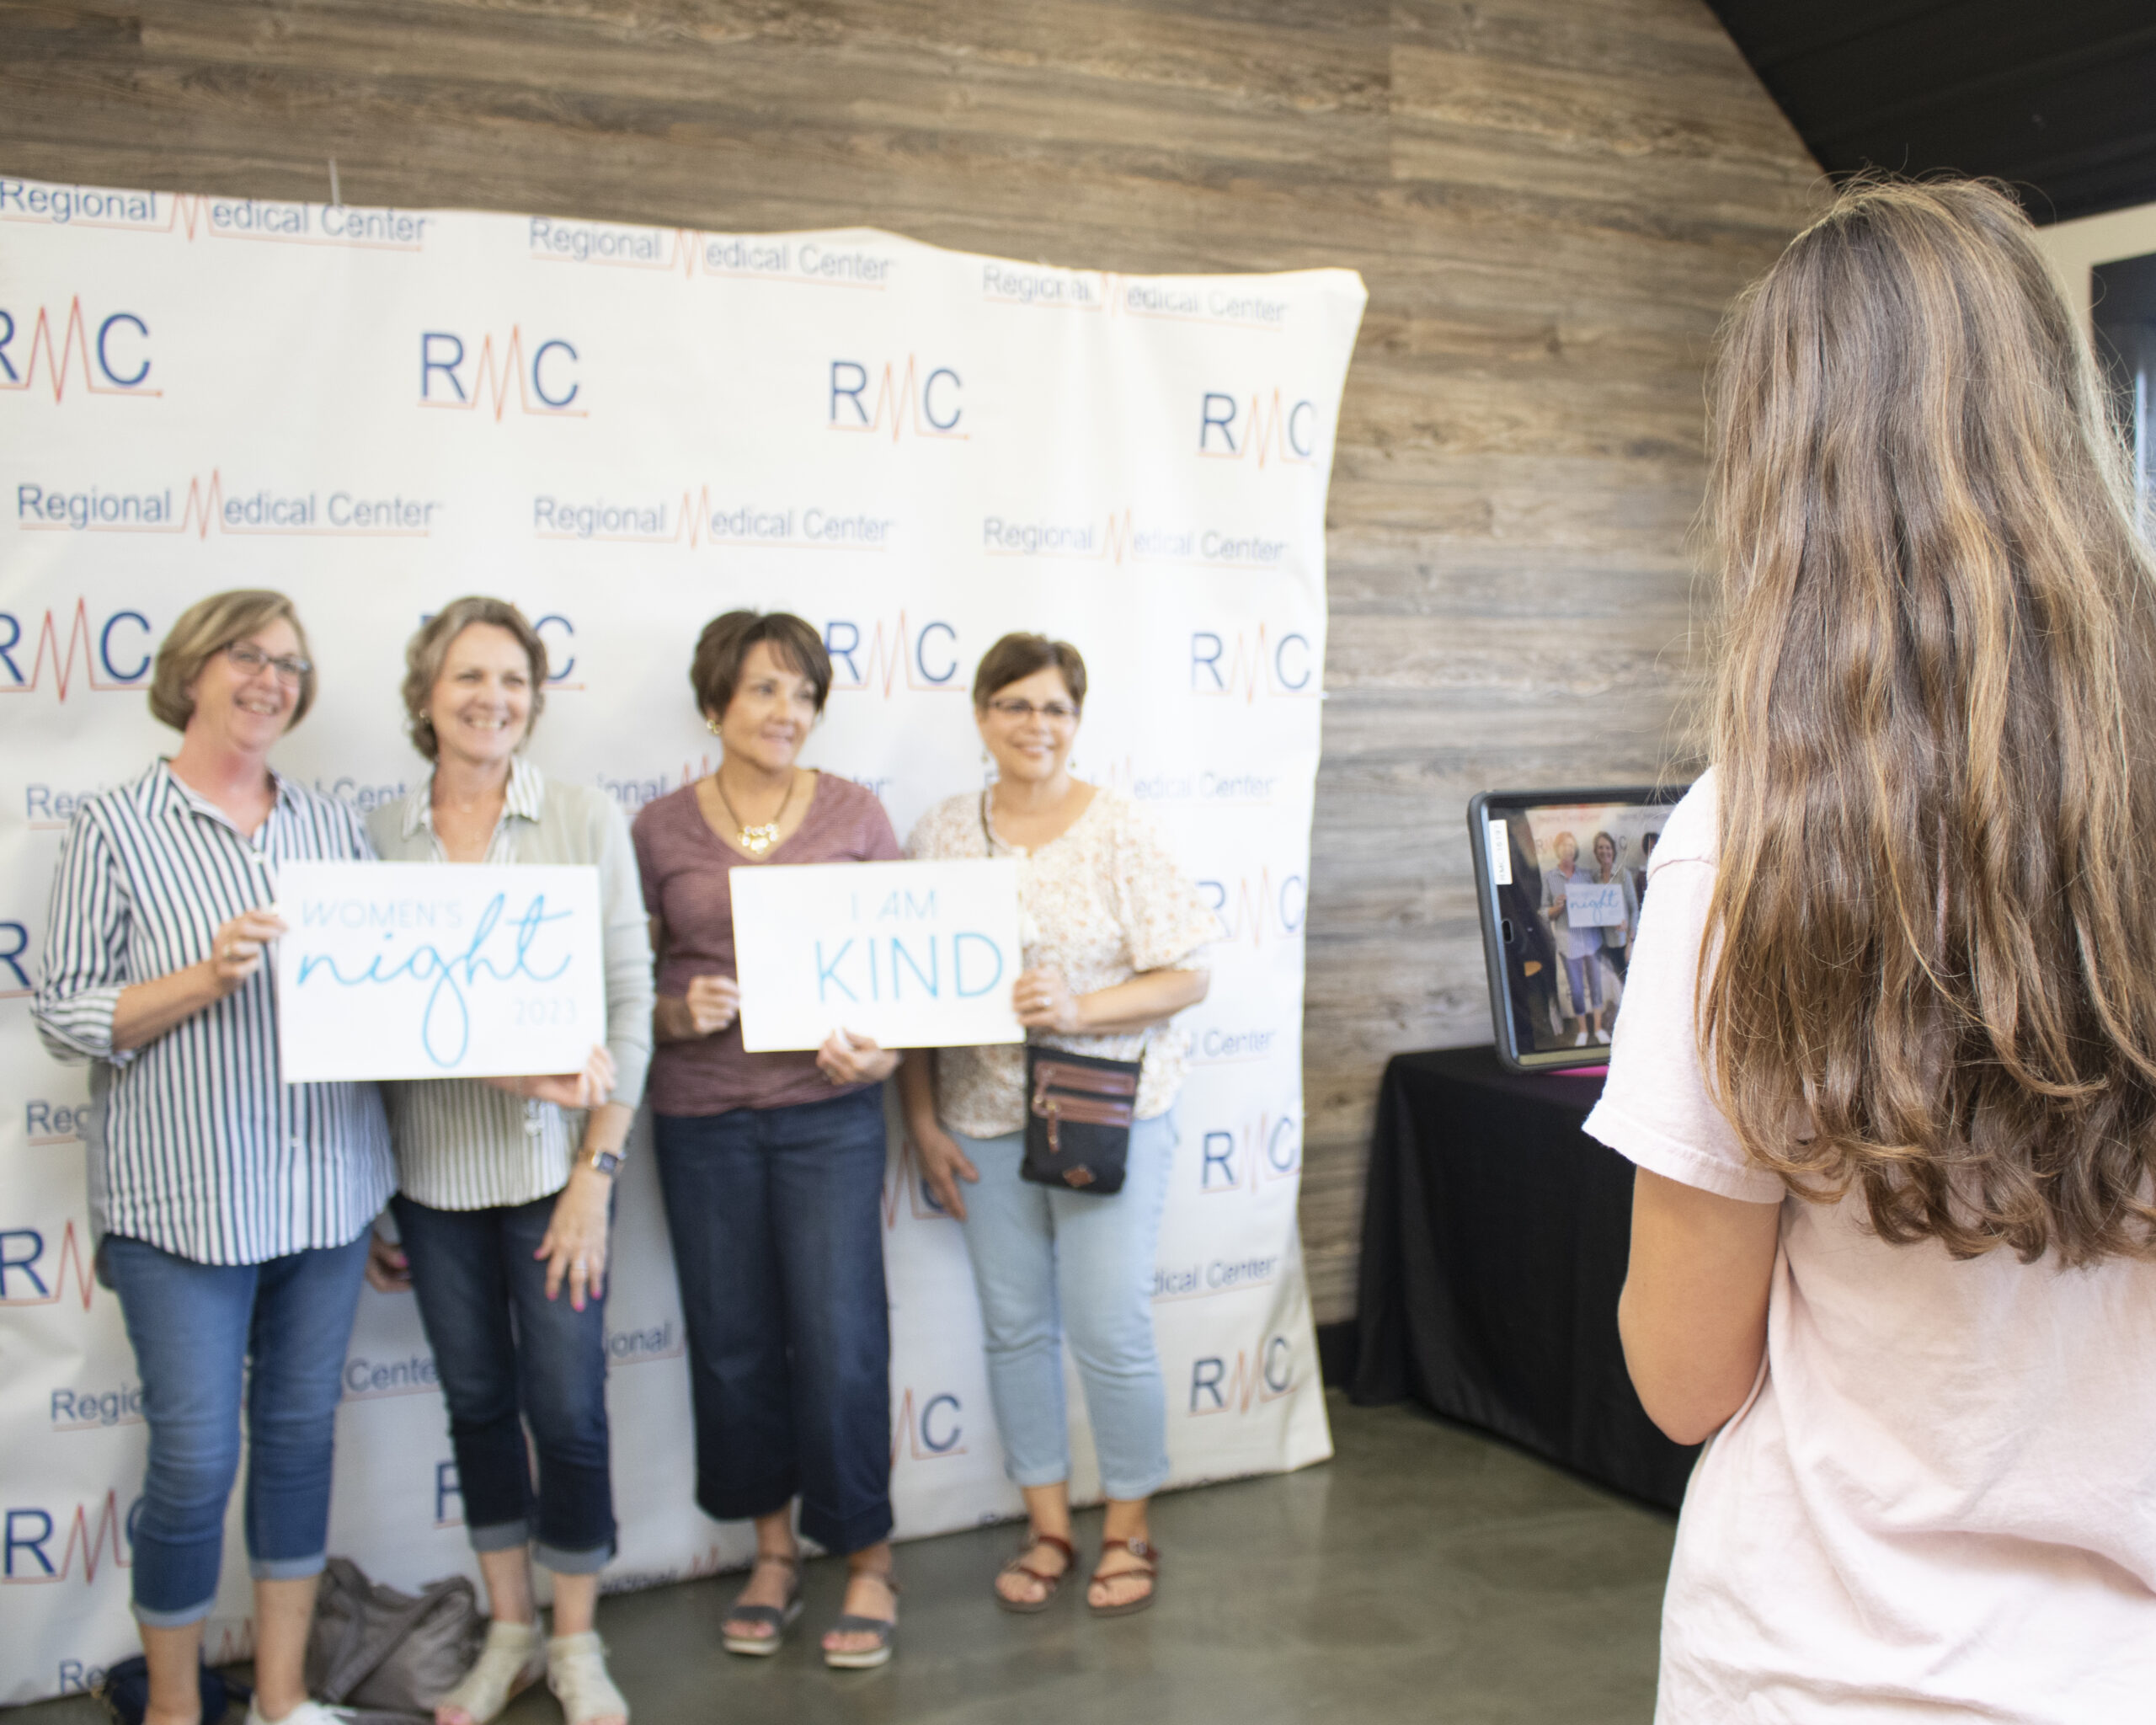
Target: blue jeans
x=1585 y=974
x=506 y=1353
x=777 y=1221
x=1048 y=1263
x=202 y=1332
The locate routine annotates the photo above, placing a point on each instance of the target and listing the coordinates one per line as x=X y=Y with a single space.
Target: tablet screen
x=1562 y=876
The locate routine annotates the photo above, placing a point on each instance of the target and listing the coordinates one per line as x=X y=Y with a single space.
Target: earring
x=712 y=725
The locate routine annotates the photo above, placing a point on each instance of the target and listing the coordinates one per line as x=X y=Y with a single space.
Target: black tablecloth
x=1494 y=1243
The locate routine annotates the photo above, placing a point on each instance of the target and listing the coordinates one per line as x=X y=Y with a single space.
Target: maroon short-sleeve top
x=686 y=866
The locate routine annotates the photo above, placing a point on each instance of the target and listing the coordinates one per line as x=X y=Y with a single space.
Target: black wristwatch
x=603 y=1161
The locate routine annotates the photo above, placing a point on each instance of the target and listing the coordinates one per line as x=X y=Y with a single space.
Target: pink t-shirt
x=686 y=866
x=1940 y=1499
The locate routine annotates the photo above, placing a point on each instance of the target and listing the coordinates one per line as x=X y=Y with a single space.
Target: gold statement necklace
x=755 y=839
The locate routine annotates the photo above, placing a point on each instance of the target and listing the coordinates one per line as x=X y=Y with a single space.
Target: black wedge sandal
x=781 y=1618
x=885 y=1629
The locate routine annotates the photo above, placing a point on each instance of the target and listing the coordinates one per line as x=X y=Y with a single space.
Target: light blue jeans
x=207 y=1338
x=1049 y=1263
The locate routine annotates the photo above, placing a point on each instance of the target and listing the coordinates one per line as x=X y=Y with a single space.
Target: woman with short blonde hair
x=231 y=1209
x=506 y=1186
x=1888 y=1060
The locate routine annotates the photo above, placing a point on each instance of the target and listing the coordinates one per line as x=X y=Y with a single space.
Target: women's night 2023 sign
x=627 y=430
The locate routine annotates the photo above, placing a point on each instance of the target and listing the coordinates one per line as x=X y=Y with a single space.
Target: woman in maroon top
x=772 y=1164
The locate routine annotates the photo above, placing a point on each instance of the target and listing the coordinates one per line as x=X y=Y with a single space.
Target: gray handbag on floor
x=381 y=1651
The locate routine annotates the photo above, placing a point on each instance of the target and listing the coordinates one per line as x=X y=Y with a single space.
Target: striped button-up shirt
x=465 y=1145
x=196 y=1143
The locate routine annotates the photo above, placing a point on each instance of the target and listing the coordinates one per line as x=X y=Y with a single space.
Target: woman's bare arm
x=1693 y=1312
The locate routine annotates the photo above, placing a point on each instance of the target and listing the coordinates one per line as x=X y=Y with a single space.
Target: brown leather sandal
x=1053 y=1584
x=1148 y=1565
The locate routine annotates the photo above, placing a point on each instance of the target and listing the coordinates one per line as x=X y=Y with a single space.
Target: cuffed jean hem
x=843 y=1538
x=173 y=1619
x=1133 y=1494
x=561 y=1562
x=502 y=1536
x=287 y=1568
x=1109 y=1488
x=734 y=1506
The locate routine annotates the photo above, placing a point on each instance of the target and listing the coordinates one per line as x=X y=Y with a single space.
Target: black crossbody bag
x=1078 y=1116
x=1079 y=1109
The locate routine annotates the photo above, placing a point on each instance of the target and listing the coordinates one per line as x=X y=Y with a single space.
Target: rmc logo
x=547 y=384
x=1277 y=430
x=26 y=1544
x=1236 y=1160
x=927 y=1429
x=927 y=655
x=117 y=353
x=1283 y=666
x=1214 y=1388
x=116 y=644
x=926 y=404
x=14 y=948
x=24 y=1279
x=1257 y=911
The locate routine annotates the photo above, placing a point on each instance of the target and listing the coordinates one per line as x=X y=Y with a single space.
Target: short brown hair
x=1016 y=657
x=723 y=648
x=205 y=629
x=425 y=651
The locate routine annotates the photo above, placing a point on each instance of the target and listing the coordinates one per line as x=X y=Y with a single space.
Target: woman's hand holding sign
x=147 y=1009
x=586 y=1089
x=847 y=1058
x=711 y=1005
x=236 y=953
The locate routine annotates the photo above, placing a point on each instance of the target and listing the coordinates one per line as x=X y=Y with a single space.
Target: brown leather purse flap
x=1085 y=1110
x=1055 y=1075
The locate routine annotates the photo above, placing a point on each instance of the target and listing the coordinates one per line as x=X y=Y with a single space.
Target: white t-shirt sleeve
x=1655 y=1108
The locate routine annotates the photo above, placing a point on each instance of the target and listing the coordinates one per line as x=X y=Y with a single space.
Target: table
x=1494 y=1242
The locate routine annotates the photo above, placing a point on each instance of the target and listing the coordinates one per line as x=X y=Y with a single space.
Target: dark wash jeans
x=777 y=1221
x=506 y=1354
x=205 y=1336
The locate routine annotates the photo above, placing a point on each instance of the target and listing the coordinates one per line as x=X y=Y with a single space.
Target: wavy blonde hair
x=1930 y=974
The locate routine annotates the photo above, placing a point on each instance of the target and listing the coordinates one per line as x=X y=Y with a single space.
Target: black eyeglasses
x=1018 y=712
x=290 y=667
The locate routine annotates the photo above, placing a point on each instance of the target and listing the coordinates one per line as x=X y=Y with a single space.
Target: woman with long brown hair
x=1887 y=1061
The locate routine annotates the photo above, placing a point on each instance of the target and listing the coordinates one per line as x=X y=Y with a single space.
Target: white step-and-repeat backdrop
x=627 y=430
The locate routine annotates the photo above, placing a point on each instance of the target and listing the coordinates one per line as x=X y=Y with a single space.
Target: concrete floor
x=1428 y=1573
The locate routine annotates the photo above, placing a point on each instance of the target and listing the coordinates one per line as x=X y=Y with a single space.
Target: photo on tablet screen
x=1562 y=876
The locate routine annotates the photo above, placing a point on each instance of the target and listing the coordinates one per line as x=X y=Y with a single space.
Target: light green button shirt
x=463 y=1144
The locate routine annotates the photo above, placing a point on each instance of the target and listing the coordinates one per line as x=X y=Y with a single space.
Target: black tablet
x=1559 y=876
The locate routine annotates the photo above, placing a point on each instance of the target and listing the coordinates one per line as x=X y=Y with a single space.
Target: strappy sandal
x=576 y=1671
x=510 y=1662
x=1053 y=1584
x=1148 y=1565
x=852 y=1623
x=781 y=1618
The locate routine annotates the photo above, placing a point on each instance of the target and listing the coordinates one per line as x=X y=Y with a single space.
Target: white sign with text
x=1595 y=903
x=913 y=954
x=437 y=970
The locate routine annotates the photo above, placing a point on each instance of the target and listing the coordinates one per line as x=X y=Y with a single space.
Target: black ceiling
x=2055 y=97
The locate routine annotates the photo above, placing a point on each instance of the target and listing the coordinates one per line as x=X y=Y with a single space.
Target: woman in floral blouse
x=1112 y=927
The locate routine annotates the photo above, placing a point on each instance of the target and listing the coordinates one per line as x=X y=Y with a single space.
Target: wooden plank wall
x=1551 y=202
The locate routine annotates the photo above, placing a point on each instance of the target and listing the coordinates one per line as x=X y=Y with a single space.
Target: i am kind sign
x=912 y=954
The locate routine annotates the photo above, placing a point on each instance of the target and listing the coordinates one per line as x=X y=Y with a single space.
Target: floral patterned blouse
x=1102 y=902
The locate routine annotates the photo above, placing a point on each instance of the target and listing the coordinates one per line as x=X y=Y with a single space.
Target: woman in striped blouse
x=231 y=1209
x=506 y=1185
